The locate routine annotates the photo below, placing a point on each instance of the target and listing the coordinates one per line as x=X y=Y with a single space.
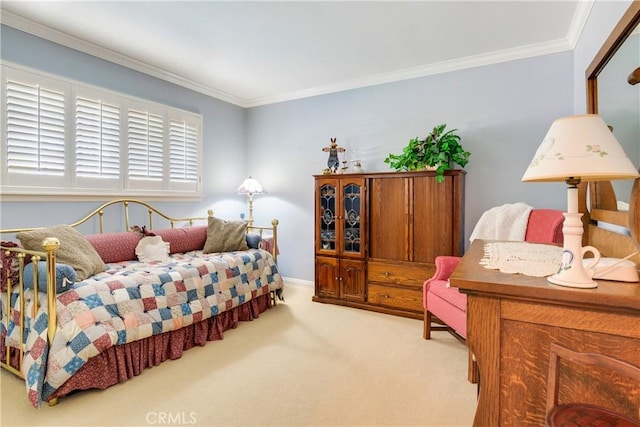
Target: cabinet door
x=327 y=216
x=327 y=277
x=414 y=218
x=352 y=220
x=433 y=218
x=352 y=280
x=389 y=220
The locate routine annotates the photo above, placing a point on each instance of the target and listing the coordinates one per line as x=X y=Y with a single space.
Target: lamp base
x=572 y=282
x=573 y=273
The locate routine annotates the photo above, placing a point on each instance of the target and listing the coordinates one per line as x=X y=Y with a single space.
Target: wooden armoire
x=377 y=236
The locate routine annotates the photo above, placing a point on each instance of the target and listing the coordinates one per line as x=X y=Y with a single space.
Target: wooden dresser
x=377 y=236
x=512 y=320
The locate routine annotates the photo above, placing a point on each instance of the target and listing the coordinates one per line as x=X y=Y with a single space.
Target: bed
x=161 y=292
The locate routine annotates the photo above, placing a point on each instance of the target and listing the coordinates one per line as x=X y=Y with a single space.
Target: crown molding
x=489 y=58
x=579 y=19
x=580 y=16
x=34 y=28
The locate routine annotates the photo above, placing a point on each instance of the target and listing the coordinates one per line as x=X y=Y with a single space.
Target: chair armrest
x=444 y=268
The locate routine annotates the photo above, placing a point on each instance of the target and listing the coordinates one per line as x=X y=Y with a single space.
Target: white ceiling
x=255 y=53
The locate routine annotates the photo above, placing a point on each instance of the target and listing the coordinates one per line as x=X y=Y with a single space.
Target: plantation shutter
x=35 y=129
x=63 y=138
x=145 y=135
x=183 y=152
x=97 y=139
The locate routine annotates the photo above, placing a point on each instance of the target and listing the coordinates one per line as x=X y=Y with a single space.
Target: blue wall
x=502 y=112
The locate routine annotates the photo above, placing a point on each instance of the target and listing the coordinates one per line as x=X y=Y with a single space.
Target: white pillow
x=152 y=249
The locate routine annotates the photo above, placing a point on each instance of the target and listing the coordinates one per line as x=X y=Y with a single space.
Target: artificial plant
x=439 y=150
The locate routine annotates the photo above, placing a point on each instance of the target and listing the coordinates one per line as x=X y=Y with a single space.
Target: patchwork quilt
x=131 y=301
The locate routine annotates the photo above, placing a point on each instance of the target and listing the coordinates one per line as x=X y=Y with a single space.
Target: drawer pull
x=386 y=273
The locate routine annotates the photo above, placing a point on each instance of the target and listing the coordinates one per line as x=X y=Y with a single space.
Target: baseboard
x=298 y=282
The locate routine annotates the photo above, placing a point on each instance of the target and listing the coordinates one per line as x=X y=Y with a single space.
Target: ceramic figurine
x=333 y=163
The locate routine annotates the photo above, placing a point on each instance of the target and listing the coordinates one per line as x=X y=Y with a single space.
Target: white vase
x=357 y=166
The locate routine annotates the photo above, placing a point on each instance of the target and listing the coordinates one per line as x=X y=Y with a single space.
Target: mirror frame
x=620 y=33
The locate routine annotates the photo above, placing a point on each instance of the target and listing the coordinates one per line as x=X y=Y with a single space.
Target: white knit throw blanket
x=506 y=222
x=530 y=259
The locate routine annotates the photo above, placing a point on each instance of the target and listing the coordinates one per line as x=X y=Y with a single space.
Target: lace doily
x=530 y=259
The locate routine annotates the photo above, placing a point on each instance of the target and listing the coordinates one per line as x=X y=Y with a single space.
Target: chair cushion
x=451 y=315
x=452 y=295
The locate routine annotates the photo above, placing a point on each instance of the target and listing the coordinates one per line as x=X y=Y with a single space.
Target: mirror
x=611 y=94
x=619 y=105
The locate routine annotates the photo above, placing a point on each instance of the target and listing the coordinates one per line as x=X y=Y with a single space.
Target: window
x=66 y=138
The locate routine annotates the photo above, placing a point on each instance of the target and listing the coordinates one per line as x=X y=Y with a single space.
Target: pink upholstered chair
x=448 y=307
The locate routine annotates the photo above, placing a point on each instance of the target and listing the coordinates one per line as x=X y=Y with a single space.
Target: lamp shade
x=581 y=147
x=250 y=186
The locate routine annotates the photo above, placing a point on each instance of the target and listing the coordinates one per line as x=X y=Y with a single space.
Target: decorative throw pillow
x=152 y=249
x=253 y=240
x=115 y=247
x=74 y=248
x=184 y=239
x=65 y=277
x=225 y=236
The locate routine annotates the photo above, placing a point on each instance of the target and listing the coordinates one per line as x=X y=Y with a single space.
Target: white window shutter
x=97 y=139
x=144 y=141
x=183 y=152
x=35 y=129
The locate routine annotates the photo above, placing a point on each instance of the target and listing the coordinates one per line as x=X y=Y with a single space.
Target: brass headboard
x=126 y=203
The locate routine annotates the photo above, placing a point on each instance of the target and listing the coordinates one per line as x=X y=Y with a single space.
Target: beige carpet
x=300 y=364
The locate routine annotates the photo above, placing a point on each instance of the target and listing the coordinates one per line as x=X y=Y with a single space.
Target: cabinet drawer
x=397 y=297
x=399 y=273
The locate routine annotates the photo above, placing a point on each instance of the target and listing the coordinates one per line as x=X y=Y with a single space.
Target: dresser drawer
x=399 y=273
x=406 y=298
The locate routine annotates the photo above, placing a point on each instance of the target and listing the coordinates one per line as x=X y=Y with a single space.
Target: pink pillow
x=115 y=247
x=184 y=239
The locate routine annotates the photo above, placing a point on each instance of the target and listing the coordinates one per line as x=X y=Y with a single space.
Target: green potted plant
x=439 y=150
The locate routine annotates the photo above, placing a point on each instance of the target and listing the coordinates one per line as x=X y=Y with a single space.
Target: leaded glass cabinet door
x=327 y=214
x=340 y=217
x=352 y=224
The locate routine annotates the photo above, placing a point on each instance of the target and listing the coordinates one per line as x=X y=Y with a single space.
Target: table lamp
x=249 y=187
x=578 y=148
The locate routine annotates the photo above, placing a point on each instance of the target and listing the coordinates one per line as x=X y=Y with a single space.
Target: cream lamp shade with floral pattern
x=578 y=148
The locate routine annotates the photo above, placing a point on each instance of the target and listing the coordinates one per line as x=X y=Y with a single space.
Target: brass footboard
x=50 y=246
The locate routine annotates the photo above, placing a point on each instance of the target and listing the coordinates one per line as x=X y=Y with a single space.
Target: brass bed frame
x=48 y=254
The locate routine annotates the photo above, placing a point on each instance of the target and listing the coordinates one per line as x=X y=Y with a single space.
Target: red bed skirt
x=119 y=363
